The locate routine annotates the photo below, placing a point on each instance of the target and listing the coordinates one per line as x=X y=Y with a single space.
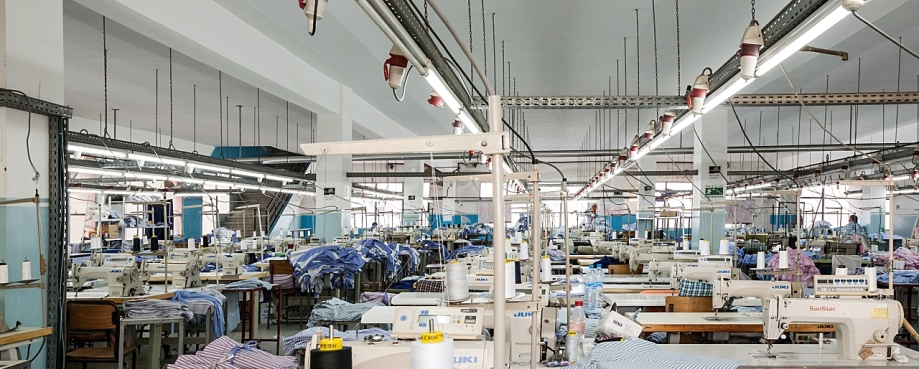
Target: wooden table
x=732 y=323
x=22 y=336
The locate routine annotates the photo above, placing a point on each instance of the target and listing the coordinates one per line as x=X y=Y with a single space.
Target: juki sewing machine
x=709 y=273
x=661 y=269
x=183 y=275
x=230 y=264
x=725 y=289
x=122 y=280
x=463 y=324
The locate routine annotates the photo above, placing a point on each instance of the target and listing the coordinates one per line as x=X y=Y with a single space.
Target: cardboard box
x=613 y=324
x=112 y=230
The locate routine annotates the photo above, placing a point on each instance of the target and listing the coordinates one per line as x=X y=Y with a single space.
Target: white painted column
x=413 y=192
x=712 y=130
x=330 y=174
x=32 y=50
x=646 y=198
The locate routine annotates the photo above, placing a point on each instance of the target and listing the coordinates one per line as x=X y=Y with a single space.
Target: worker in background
x=853 y=227
x=373 y=226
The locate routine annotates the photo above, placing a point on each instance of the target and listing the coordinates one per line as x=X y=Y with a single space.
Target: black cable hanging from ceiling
x=170 y=101
x=105 y=75
x=220 y=100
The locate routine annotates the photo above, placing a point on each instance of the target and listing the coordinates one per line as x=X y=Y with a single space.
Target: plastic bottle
x=572 y=346
x=589 y=285
x=598 y=289
x=577 y=325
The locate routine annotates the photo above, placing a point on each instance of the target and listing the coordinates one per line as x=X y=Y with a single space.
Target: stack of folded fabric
x=200 y=302
x=156 y=309
x=225 y=353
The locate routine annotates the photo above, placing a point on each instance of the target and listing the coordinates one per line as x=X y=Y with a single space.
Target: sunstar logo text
x=822 y=308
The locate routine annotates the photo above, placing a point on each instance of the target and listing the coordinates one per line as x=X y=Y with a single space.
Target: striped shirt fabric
x=226 y=353
x=635 y=353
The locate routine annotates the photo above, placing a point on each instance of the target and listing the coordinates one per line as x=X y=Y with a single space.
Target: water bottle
x=598 y=289
x=572 y=346
x=590 y=281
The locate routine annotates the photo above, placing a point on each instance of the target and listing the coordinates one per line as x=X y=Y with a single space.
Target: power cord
x=744 y=131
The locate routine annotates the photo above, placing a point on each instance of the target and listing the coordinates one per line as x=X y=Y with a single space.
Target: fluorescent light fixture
x=101 y=172
x=903 y=192
x=437 y=82
x=96 y=151
x=297 y=192
x=641 y=153
x=753 y=187
x=394 y=31
x=469 y=122
x=119 y=192
x=154 y=159
x=151 y=177
x=243 y=186
x=270 y=189
x=187 y=180
x=83 y=190
x=190 y=194
x=246 y=173
x=792 y=44
x=210 y=168
x=901 y=178
x=722 y=94
x=282 y=179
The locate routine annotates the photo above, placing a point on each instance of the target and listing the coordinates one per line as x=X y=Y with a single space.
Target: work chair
x=94 y=317
x=281 y=272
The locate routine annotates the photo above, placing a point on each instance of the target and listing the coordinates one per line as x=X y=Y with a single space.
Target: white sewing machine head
x=122 y=281
x=187 y=276
x=865 y=328
x=726 y=289
x=708 y=273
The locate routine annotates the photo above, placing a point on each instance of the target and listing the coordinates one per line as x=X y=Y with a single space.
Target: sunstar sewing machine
x=865 y=328
x=724 y=290
x=122 y=280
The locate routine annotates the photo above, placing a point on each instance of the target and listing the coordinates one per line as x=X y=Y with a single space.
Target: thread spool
x=191 y=243
x=205 y=241
x=4 y=272
x=872 y=274
x=332 y=359
x=457 y=285
x=783 y=259
x=724 y=248
x=26 y=270
x=524 y=250
x=705 y=248
x=254 y=234
x=434 y=355
x=760 y=260
x=509 y=269
x=154 y=243
x=136 y=244
x=545 y=266
x=95 y=243
x=841 y=270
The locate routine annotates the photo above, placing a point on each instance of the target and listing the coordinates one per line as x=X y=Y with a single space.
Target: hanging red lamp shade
x=436 y=100
x=313 y=9
x=394 y=67
x=750 y=45
x=457 y=126
x=700 y=87
x=666 y=121
x=817 y=173
x=650 y=130
x=633 y=148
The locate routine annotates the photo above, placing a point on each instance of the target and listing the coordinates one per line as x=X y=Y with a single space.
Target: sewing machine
x=230 y=264
x=463 y=324
x=657 y=268
x=183 y=256
x=724 y=290
x=865 y=328
x=686 y=255
x=183 y=275
x=708 y=273
x=122 y=280
x=641 y=242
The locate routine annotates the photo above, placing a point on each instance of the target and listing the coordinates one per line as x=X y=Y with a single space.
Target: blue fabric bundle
x=210 y=267
x=466 y=251
x=379 y=251
x=900 y=276
x=413 y=258
x=217 y=323
x=340 y=263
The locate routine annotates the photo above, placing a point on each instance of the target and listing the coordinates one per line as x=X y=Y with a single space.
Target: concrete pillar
x=32 y=48
x=413 y=190
x=334 y=187
x=646 y=198
x=712 y=130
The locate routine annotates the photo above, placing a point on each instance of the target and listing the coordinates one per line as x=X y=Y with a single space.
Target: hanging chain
x=679 y=64
x=287 y=138
x=637 y=71
x=625 y=78
x=258 y=107
x=494 y=51
x=484 y=44
x=752 y=9
x=220 y=98
x=105 y=74
x=656 y=67
x=170 y=99
x=194 y=118
x=896 y=122
x=469 y=13
x=156 y=106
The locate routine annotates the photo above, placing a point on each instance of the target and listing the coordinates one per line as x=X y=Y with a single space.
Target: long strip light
x=437 y=83
x=824 y=19
x=97 y=151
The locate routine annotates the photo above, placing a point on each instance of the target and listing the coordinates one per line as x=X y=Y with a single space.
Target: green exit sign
x=714 y=191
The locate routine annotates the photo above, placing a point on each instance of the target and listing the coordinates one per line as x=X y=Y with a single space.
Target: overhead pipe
x=842 y=54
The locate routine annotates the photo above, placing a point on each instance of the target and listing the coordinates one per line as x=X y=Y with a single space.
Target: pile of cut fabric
x=300 y=340
x=336 y=310
x=904 y=253
x=808 y=268
x=225 y=353
x=340 y=263
x=156 y=309
x=638 y=353
x=200 y=302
